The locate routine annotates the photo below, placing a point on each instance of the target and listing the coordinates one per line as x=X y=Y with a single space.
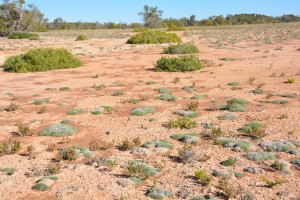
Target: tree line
x=16 y=15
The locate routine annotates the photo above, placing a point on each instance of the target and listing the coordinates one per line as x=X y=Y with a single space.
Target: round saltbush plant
x=154 y=37
x=58 y=130
x=179 y=64
x=82 y=38
x=42 y=59
x=186 y=48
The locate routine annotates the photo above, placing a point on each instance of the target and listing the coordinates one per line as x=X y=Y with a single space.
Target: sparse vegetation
x=202 y=177
x=272 y=183
x=82 y=38
x=154 y=37
x=20 y=35
x=182 y=122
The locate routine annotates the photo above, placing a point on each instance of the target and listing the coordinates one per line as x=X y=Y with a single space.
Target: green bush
x=23 y=36
x=58 y=130
x=176 y=28
x=179 y=64
x=167 y=97
x=140 y=169
x=229 y=162
x=43 y=59
x=9 y=171
x=141 y=111
x=154 y=37
x=261 y=156
x=182 y=122
x=40 y=186
x=141 y=30
x=158 y=143
x=82 y=38
x=187 y=48
x=202 y=177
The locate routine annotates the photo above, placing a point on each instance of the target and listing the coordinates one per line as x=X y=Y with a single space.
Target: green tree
x=151 y=16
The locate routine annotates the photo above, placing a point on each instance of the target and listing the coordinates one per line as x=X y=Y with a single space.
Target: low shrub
x=158 y=143
x=176 y=28
x=202 y=177
x=254 y=129
x=186 y=48
x=10 y=147
x=154 y=37
x=186 y=154
x=189 y=138
x=82 y=38
x=272 y=183
x=9 y=171
x=40 y=186
x=182 y=122
x=43 y=59
x=23 y=36
x=229 y=162
x=261 y=156
x=58 y=130
x=167 y=97
x=179 y=64
x=140 y=169
x=141 y=111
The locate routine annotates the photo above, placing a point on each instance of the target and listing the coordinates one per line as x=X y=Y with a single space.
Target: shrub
x=158 y=143
x=9 y=171
x=235 y=105
x=229 y=162
x=215 y=133
x=254 y=129
x=40 y=186
x=40 y=102
x=10 y=147
x=75 y=112
x=54 y=169
x=291 y=80
x=272 y=183
x=186 y=154
x=64 y=88
x=233 y=83
x=141 y=111
x=141 y=30
x=58 y=130
x=176 y=28
x=186 y=48
x=179 y=64
x=182 y=122
x=227 y=189
x=193 y=106
x=23 y=36
x=43 y=59
x=118 y=93
x=189 y=138
x=154 y=37
x=202 y=177
x=140 y=169
x=82 y=38
x=235 y=144
x=261 y=156
x=24 y=130
x=167 y=97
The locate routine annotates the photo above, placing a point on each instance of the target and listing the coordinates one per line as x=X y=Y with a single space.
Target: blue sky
x=127 y=10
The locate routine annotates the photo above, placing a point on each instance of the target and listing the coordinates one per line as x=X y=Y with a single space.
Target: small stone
x=109 y=132
x=124 y=182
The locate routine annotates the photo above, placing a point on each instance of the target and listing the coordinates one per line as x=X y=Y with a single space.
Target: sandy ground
x=127 y=68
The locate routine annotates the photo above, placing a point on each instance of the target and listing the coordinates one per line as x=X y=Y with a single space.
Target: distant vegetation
x=43 y=59
x=29 y=36
x=154 y=37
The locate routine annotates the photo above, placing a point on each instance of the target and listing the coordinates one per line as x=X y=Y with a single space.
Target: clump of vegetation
x=258 y=91
x=235 y=105
x=142 y=111
x=141 y=30
x=167 y=97
x=43 y=59
x=64 y=88
x=10 y=147
x=173 y=27
x=24 y=130
x=261 y=156
x=163 y=90
x=199 y=96
x=82 y=38
x=227 y=189
x=227 y=116
x=235 y=144
x=140 y=169
x=187 y=113
x=186 y=154
x=182 y=122
x=20 y=35
x=254 y=129
x=178 y=64
x=229 y=162
x=58 y=130
x=54 y=169
x=158 y=143
x=202 y=177
x=41 y=102
x=75 y=112
x=186 y=48
x=127 y=145
x=40 y=187
x=189 y=138
x=118 y=93
x=215 y=132
x=193 y=106
x=272 y=183
x=74 y=152
x=11 y=107
x=233 y=83
x=154 y=37
x=291 y=80
x=9 y=171
x=227 y=59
